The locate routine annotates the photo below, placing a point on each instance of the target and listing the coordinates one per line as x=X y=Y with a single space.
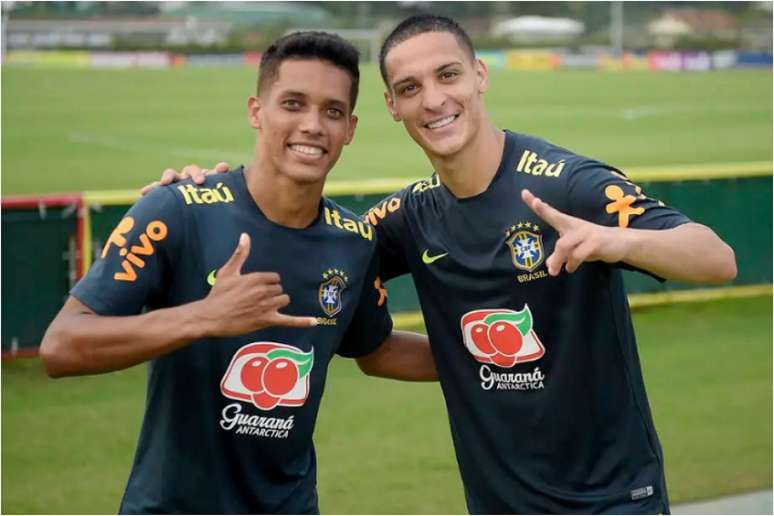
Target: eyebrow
x=437 y=70
x=333 y=102
x=292 y=93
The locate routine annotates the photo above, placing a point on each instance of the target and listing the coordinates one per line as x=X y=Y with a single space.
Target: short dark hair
x=419 y=24
x=311 y=45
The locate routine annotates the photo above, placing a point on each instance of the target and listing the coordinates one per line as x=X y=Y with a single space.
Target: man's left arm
x=378 y=348
x=617 y=223
x=690 y=253
x=403 y=355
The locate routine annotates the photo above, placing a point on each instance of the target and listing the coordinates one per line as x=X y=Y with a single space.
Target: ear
x=391 y=106
x=482 y=76
x=254 y=112
x=351 y=130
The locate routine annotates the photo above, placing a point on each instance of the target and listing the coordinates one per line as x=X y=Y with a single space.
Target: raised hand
x=240 y=303
x=579 y=240
x=195 y=172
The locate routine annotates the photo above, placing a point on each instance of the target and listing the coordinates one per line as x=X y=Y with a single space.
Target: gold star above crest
x=335 y=272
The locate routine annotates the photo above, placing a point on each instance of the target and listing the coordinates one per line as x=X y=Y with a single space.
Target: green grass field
x=72 y=130
x=384 y=446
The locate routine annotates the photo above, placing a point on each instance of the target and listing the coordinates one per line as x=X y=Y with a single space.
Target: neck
x=470 y=171
x=282 y=200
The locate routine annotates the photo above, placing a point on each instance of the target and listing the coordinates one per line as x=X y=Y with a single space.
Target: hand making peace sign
x=579 y=240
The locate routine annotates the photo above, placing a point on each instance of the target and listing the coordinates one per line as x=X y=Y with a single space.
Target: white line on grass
x=125 y=145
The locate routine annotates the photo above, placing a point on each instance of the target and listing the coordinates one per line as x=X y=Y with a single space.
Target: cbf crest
x=526 y=244
x=331 y=291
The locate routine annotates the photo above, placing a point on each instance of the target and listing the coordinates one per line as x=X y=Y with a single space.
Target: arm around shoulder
x=402 y=356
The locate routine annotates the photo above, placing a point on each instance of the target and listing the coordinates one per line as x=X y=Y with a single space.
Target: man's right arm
x=81 y=342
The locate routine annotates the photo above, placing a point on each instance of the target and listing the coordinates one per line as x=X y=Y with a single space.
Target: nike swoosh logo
x=427 y=259
x=211 y=278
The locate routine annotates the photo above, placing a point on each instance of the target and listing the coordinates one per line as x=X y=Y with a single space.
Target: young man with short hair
x=235 y=385
x=523 y=298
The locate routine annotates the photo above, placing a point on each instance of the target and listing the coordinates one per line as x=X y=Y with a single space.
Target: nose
x=433 y=98
x=312 y=123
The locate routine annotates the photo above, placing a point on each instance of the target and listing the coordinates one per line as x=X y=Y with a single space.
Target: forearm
x=81 y=342
x=690 y=253
x=402 y=356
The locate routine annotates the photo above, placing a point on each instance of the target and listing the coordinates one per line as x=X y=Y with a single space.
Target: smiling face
x=435 y=88
x=304 y=119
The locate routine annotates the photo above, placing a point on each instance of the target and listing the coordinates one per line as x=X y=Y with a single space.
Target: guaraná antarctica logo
x=503 y=338
x=267 y=374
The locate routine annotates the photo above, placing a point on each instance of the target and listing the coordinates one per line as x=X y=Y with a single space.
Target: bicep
x=72 y=310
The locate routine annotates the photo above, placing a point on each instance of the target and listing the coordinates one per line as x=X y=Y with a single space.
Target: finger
x=291 y=321
x=168 y=176
x=269 y=291
x=198 y=174
x=189 y=171
x=564 y=245
x=221 y=167
x=233 y=266
x=262 y=278
x=554 y=262
x=148 y=188
x=579 y=255
x=275 y=303
x=545 y=211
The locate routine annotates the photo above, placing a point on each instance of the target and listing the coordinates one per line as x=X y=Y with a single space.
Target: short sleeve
x=604 y=195
x=388 y=220
x=371 y=324
x=134 y=265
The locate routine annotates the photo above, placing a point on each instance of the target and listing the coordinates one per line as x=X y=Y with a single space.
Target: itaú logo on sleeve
x=269 y=374
x=501 y=337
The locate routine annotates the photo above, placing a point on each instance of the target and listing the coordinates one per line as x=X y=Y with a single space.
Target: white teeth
x=442 y=122
x=307 y=149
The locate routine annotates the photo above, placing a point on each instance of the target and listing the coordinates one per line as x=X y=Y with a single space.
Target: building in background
x=583 y=29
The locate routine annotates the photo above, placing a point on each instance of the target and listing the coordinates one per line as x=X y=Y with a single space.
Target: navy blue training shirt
x=540 y=374
x=228 y=421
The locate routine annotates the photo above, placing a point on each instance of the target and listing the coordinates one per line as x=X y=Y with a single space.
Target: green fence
x=40 y=253
x=40 y=264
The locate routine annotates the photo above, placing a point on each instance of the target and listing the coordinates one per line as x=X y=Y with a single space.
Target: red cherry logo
x=478 y=331
x=264 y=400
x=252 y=374
x=279 y=376
x=505 y=338
x=503 y=360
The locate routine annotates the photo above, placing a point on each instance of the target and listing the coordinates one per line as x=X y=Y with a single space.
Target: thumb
x=233 y=266
x=149 y=187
